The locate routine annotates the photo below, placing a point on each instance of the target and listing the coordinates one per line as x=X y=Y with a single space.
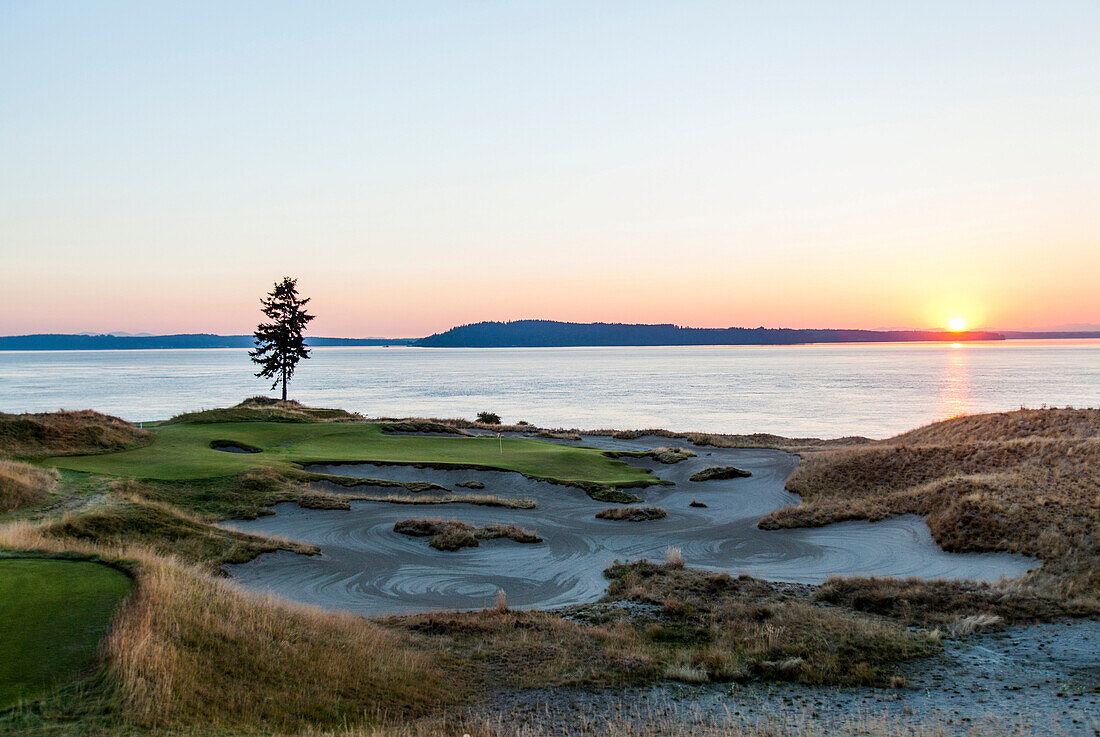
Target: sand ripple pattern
x=366 y=567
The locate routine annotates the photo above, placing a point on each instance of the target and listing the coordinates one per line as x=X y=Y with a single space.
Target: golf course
x=207 y=574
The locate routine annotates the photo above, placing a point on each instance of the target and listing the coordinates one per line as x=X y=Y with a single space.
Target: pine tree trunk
x=284 y=383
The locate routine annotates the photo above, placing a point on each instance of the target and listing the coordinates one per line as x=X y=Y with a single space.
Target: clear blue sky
x=422 y=164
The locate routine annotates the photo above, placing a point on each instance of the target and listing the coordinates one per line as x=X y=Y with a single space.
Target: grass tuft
x=631 y=514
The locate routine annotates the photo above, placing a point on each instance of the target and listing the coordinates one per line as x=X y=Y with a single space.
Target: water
x=825 y=390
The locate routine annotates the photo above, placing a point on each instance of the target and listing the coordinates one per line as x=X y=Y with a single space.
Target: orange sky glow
x=417 y=168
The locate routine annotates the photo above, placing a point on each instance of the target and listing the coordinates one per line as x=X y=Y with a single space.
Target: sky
x=418 y=165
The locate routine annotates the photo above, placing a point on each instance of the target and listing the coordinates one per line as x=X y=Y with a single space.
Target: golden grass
x=1024 y=482
x=22 y=484
x=128 y=519
x=67 y=433
x=190 y=649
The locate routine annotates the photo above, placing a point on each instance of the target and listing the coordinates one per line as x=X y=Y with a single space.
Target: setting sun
x=956 y=324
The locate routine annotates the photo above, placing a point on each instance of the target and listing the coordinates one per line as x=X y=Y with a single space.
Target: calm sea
x=814 y=390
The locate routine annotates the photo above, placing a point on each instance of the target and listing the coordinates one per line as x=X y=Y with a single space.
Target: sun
x=956 y=324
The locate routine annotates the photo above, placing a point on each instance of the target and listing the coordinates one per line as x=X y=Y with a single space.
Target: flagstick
x=501 y=440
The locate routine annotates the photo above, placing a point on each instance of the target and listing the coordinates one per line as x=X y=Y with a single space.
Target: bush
x=488 y=418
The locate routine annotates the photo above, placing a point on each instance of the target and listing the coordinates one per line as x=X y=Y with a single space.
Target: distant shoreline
x=559 y=335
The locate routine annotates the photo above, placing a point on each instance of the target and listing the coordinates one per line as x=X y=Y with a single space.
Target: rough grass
x=720 y=473
x=451 y=535
x=188 y=650
x=679 y=620
x=22 y=484
x=665 y=454
x=743 y=628
x=916 y=601
x=266 y=409
x=1023 y=482
x=67 y=433
x=129 y=521
x=484 y=500
x=631 y=514
x=245 y=495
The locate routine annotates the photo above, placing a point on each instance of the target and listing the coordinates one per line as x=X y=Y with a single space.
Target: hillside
x=1025 y=481
x=548 y=333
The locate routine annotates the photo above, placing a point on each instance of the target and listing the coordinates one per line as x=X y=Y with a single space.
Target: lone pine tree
x=279 y=343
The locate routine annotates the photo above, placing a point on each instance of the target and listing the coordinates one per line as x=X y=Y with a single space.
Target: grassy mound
x=265 y=409
x=1020 y=481
x=22 y=484
x=168 y=532
x=67 y=433
x=631 y=514
x=720 y=473
x=723 y=628
x=54 y=613
x=451 y=535
x=683 y=624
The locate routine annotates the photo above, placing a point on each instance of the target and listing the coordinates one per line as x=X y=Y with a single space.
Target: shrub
x=488 y=418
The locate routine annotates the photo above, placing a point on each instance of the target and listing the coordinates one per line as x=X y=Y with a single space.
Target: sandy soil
x=368 y=568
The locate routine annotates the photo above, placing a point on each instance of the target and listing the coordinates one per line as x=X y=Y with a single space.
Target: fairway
x=182 y=451
x=53 y=613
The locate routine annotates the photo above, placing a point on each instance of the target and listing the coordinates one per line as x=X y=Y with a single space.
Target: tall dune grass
x=67 y=433
x=1025 y=482
x=22 y=484
x=188 y=649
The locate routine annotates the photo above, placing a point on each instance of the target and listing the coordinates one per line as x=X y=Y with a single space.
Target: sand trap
x=368 y=568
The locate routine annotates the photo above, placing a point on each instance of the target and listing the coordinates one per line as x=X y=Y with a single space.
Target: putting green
x=53 y=613
x=182 y=451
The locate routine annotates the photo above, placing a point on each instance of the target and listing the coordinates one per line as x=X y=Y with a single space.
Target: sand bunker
x=368 y=568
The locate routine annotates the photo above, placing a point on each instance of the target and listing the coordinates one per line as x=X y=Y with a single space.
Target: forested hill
x=547 y=333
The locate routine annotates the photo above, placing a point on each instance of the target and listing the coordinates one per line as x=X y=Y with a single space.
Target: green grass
x=182 y=451
x=53 y=614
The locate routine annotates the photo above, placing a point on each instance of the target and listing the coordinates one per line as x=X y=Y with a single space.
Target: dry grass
x=266 y=409
x=132 y=520
x=743 y=628
x=1024 y=481
x=484 y=500
x=451 y=535
x=631 y=514
x=189 y=649
x=511 y=649
x=67 y=433
x=916 y=601
x=720 y=473
x=22 y=484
